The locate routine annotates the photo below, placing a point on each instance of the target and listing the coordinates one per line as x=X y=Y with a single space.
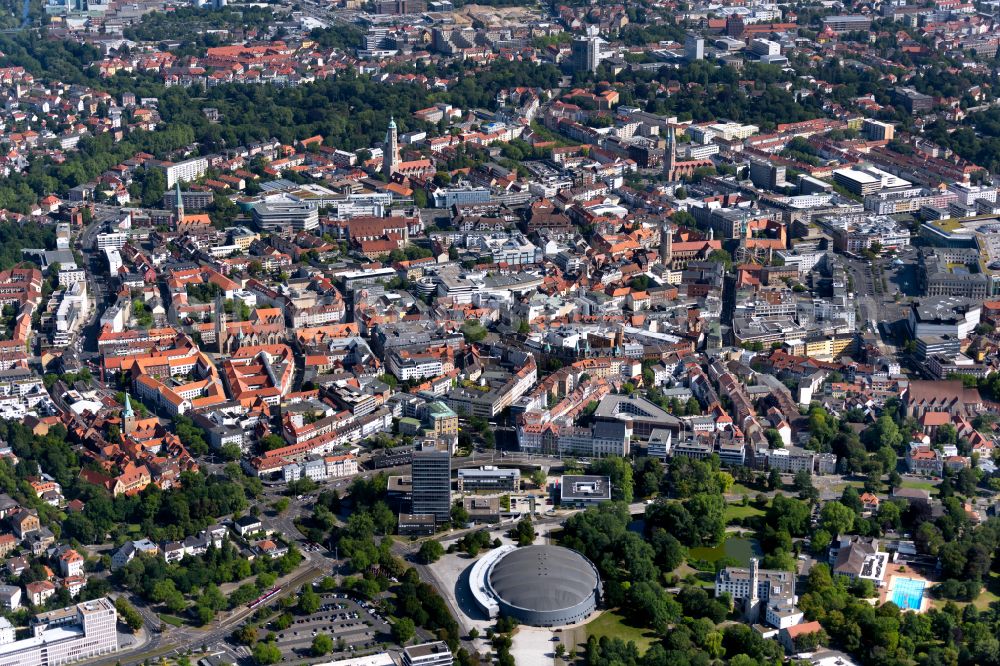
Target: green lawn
x=172 y=620
x=740 y=489
x=918 y=485
x=734 y=511
x=839 y=487
x=703 y=578
x=990 y=593
x=613 y=625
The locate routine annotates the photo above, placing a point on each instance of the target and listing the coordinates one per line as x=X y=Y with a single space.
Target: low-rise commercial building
x=492 y=479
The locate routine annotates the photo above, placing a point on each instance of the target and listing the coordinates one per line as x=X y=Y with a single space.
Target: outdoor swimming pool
x=907 y=593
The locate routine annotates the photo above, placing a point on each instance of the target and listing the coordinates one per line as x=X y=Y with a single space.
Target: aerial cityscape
x=461 y=333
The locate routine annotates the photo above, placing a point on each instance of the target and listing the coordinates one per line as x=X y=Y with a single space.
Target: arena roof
x=543 y=578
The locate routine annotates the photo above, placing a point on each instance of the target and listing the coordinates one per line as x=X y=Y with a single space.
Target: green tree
x=620 y=473
x=524 y=532
x=230 y=451
x=322 y=644
x=403 y=630
x=473 y=331
x=247 y=634
x=836 y=518
x=458 y=514
x=430 y=551
x=309 y=601
x=128 y=614
x=774 y=480
x=266 y=653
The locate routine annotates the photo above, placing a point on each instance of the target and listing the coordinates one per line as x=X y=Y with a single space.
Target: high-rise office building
x=585 y=52
x=694 y=47
x=431 y=474
x=875 y=130
x=766 y=175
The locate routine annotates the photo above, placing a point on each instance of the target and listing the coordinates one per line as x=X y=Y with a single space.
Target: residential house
x=921 y=459
x=272 y=549
x=8 y=505
x=130 y=549
x=247 y=525
x=74 y=584
x=869 y=504
x=39 y=591
x=7 y=543
x=40 y=540
x=71 y=563
x=24 y=522
x=17 y=566
x=10 y=597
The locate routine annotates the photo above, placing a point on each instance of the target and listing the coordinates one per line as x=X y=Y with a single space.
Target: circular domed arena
x=543 y=586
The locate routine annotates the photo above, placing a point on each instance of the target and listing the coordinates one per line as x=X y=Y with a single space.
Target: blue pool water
x=907 y=593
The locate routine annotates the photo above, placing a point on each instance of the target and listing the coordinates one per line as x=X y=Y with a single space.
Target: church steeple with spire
x=178 y=203
x=128 y=416
x=390 y=151
x=670 y=155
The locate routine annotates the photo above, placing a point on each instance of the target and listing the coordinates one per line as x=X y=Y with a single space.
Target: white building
x=116 y=240
x=867 y=180
x=66 y=635
x=10 y=597
x=71 y=313
x=321 y=468
x=130 y=549
x=7 y=633
x=968 y=194
x=21 y=390
x=804 y=261
x=184 y=171
x=953 y=316
x=765 y=47
x=275 y=215
x=730 y=131
x=114 y=259
x=405 y=365
x=428 y=654
x=790 y=461
x=769 y=590
x=514 y=249
x=70 y=275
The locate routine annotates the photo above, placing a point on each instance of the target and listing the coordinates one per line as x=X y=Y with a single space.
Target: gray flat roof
x=589 y=487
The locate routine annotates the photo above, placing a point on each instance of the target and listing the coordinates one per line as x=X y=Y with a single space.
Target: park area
x=735 y=548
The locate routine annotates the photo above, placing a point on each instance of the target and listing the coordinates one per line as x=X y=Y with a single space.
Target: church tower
x=128 y=417
x=670 y=158
x=753 y=600
x=390 y=152
x=666 y=244
x=178 y=203
x=221 y=334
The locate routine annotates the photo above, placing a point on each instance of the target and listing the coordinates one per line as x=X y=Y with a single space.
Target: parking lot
x=355 y=628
